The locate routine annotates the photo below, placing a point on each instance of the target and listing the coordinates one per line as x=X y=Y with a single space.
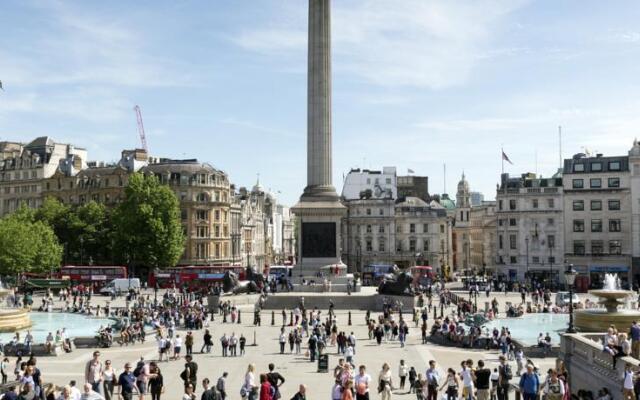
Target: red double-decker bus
x=193 y=275
x=95 y=275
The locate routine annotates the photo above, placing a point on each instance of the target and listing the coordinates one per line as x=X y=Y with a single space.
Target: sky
x=416 y=83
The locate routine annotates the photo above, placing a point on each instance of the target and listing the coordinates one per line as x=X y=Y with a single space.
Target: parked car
x=562 y=299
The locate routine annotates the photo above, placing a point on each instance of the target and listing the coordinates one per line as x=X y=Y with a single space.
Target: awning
x=47 y=283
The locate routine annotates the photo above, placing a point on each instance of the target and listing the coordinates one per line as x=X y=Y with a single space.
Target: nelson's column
x=319 y=210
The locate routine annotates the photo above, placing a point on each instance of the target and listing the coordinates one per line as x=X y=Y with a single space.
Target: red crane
x=143 y=139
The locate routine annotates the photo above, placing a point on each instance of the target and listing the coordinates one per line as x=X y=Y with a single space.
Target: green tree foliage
x=85 y=231
x=147 y=224
x=26 y=244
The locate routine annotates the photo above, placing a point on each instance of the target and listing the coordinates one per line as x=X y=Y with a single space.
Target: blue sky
x=416 y=83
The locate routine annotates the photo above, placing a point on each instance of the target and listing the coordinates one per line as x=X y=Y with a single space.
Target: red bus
x=193 y=275
x=422 y=275
x=96 y=275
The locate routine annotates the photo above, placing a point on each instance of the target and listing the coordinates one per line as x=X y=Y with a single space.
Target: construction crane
x=143 y=139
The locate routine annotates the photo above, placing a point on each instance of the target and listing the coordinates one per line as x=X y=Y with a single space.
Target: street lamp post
x=526 y=241
x=570 y=277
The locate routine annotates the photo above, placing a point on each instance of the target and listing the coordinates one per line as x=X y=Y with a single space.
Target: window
x=512 y=242
x=441 y=228
x=578 y=247
x=596 y=205
x=615 y=225
x=358 y=229
x=578 y=183
x=513 y=260
x=534 y=203
x=368 y=228
x=535 y=260
x=614 y=166
x=369 y=245
x=614 y=205
x=381 y=245
x=596 y=225
x=550 y=203
x=551 y=241
x=578 y=225
x=368 y=211
x=425 y=245
x=615 y=247
x=202 y=231
x=412 y=245
x=216 y=230
x=201 y=215
x=380 y=211
x=412 y=228
x=614 y=182
x=500 y=222
x=368 y=181
x=399 y=245
x=552 y=259
x=388 y=181
x=512 y=222
x=595 y=183
x=380 y=228
x=578 y=205
x=512 y=204
x=217 y=215
x=550 y=221
x=597 y=247
x=500 y=244
x=425 y=228
x=500 y=205
x=399 y=228
x=596 y=167
x=578 y=167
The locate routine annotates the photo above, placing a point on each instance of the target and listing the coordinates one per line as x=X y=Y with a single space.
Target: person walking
x=482 y=381
x=385 y=382
x=529 y=384
x=243 y=342
x=224 y=344
x=402 y=373
x=127 y=383
x=93 y=372
x=275 y=379
x=208 y=393
x=188 y=343
x=208 y=343
x=282 y=339
x=108 y=380
x=250 y=388
x=433 y=381
x=628 y=384
x=635 y=339
x=452 y=384
x=221 y=385
x=362 y=381
x=156 y=382
x=505 y=375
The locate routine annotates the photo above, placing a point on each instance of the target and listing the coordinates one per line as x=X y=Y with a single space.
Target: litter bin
x=323 y=363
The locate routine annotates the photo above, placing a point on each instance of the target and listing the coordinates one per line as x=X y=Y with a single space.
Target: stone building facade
x=24 y=167
x=530 y=228
x=598 y=223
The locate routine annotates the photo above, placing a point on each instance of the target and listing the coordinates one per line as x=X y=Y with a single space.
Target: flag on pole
x=410 y=171
x=505 y=158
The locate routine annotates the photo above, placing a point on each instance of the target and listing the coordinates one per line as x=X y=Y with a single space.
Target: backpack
x=138 y=370
x=508 y=374
x=220 y=385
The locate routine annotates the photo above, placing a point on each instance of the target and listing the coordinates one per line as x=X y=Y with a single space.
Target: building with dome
x=474 y=233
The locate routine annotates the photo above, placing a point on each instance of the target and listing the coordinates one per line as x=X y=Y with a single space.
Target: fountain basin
x=12 y=319
x=599 y=320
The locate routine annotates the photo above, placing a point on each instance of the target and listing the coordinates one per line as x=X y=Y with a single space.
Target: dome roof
x=463 y=185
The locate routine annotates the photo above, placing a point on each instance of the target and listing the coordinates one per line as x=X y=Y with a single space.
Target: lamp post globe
x=570 y=277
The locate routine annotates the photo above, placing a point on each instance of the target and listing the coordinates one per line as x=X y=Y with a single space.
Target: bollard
x=254 y=338
x=238 y=316
x=273 y=317
x=291 y=319
x=435 y=313
x=349 y=322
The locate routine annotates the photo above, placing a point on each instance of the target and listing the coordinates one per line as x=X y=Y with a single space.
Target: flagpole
x=502 y=158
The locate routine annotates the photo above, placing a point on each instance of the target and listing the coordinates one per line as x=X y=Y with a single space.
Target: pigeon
x=1 y=86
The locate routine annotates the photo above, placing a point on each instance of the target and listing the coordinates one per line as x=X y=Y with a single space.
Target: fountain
x=597 y=319
x=12 y=319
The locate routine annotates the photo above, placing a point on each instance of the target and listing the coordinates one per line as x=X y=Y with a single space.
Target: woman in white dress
x=384 y=382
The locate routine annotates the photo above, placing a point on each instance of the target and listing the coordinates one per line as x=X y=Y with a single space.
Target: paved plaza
x=295 y=368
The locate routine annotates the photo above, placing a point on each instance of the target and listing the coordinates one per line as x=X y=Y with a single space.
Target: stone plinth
x=12 y=320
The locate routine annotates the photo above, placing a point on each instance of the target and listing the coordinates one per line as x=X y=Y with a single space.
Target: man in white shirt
x=352 y=339
x=362 y=381
x=467 y=381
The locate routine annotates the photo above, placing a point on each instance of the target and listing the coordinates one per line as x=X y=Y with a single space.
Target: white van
x=121 y=285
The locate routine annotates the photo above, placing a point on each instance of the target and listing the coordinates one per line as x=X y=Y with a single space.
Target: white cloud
x=408 y=43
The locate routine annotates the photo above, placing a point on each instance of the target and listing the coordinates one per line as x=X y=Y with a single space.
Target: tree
x=147 y=224
x=27 y=245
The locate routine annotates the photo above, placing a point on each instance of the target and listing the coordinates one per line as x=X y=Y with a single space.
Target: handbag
x=243 y=392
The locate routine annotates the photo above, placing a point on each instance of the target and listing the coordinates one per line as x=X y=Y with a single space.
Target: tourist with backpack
x=221 y=386
x=275 y=379
x=505 y=374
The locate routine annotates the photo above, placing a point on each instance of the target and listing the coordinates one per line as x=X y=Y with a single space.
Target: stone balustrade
x=590 y=368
